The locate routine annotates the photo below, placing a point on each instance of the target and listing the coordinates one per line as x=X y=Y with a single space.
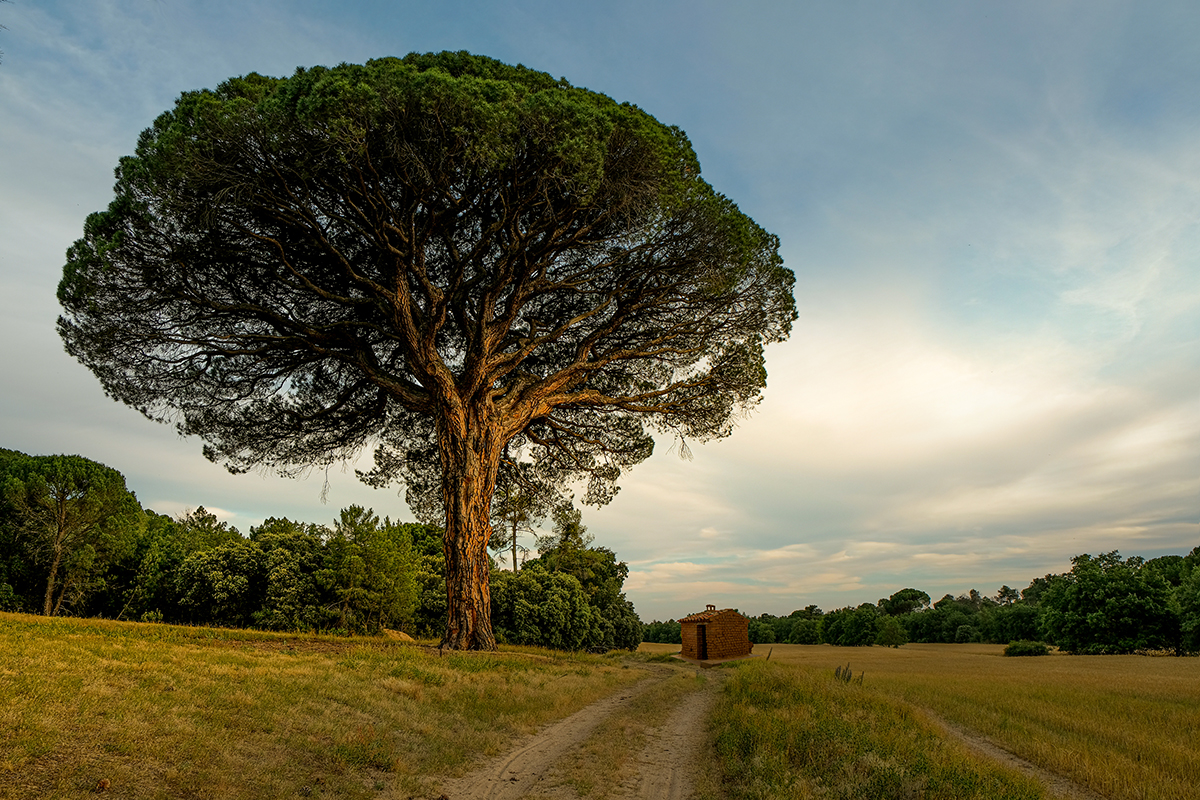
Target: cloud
x=992 y=219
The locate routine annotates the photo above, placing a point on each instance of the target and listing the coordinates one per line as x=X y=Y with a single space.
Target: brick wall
x=727 y=636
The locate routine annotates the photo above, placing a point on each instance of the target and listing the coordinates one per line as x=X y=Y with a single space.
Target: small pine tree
x=891 y=633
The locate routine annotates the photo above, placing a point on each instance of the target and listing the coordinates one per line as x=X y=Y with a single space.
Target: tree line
x=74 y=540
x=1104 y=604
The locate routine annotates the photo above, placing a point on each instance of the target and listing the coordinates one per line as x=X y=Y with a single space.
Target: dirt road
x=664 y=767
x=667 y=763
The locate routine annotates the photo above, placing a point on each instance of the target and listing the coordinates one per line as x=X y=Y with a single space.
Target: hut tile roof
x=710 y=613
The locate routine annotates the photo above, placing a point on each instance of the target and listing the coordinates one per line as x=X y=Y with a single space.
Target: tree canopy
x=70 y=513
x=441 y=257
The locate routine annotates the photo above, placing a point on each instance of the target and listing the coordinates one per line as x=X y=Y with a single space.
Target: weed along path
x=639 y=743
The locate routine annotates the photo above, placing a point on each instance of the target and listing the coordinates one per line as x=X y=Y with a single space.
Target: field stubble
x=1125 y=727
x=164 y=711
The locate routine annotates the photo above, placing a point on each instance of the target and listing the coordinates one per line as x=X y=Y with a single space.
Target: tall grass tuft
x=788 y=732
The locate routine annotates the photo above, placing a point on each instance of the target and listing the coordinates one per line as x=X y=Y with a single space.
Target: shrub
x=1025 y=647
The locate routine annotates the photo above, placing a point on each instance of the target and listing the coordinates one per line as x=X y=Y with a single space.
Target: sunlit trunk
x=470 y=456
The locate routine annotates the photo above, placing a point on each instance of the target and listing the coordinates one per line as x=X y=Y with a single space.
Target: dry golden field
x=149 y=711
x=159 y=711
x=1127 y=727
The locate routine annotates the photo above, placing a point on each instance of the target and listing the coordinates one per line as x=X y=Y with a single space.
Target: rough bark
x=470 y=454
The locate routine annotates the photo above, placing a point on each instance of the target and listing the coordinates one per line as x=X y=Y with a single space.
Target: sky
x=992 y=211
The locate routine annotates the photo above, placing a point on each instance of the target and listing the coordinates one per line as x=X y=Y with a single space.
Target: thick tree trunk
x=470 y=455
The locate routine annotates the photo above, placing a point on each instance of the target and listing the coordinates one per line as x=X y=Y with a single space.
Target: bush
x=1025 y=647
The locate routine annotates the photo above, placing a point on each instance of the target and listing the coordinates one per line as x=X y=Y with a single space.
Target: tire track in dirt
x=1059 y=785
x=668 y=763
x=518 y=772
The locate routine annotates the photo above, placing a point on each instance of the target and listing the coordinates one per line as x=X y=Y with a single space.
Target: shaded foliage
x=669 y=632
x=68 y=519
x=614 y=624
x=1107 y=604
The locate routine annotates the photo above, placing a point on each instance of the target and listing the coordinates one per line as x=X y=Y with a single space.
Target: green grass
x=788 y=732
x=167 y=711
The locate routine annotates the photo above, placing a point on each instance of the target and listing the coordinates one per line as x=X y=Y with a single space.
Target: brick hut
x=712 y=635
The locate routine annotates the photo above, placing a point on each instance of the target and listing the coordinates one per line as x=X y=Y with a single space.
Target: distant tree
x=152 y=593
x=293 y=556
x=74 y=516
x=1009 y=623
x=200 y=529
x=1192 y=560
x=1032 y=594
x=371 y=569
x=761 y=632
x=19 y=586
x=1025 y=647
x=569 y=537
x=890 y=632
x=1187 y=599
x=429 y=618
x=669 y=632
x=806 y=631
x=1172 y=568
x=544 y=609
x=852 y=627
x=967 y=633
x=808 y=612
x=600 y=576
x=905 y=601
x=568 y=550
x=1007 y=596
x=525 y=495
x=442 y=255
x=1107 y=604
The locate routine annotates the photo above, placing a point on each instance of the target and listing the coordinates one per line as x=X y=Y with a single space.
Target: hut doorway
x=702 y=641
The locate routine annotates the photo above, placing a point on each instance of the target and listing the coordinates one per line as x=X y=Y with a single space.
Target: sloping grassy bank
x=167 y=711
x=789 y=732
